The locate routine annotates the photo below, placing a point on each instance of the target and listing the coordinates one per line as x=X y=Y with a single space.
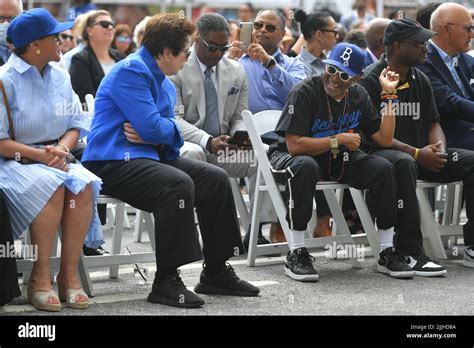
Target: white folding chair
x=264 y=122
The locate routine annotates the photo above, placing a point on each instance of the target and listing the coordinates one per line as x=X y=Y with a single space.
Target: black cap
x=402 y=29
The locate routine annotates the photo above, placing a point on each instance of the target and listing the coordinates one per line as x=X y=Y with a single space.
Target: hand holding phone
x=240 y=138
x=246 y=29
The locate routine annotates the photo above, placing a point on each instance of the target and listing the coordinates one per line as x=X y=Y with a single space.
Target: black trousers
x=8 y=273
x=170 y=190
x=360 y=171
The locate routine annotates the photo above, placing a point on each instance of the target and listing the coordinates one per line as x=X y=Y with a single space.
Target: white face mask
x=3 y=33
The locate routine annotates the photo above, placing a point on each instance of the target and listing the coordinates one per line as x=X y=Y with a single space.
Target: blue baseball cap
x=348 y=58
x=33 y=25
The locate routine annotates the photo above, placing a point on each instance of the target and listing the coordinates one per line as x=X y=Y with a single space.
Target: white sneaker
x=468 y=260
x=423 y=266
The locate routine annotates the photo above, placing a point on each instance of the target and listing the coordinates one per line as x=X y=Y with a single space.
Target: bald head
x=374 y=35
x=447 y=13
x=453 y=24
x=10 y=8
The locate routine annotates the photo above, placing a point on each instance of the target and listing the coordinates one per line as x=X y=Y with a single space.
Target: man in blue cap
x=322 y=123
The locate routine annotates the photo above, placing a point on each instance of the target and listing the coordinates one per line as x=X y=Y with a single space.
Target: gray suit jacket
x=190 y=98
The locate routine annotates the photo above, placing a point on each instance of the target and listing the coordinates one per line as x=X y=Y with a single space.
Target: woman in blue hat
x=40 y=121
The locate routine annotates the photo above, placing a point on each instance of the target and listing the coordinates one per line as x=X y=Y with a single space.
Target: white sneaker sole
x=399 y=275
x=302 y=277
x=468 y=263
x=442 y=273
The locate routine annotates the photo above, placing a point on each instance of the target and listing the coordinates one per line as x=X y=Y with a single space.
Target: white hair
x=140 y=28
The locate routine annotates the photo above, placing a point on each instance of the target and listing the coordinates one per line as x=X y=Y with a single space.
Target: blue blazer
x=368 y=60
x=134 y=91
x=456 y=110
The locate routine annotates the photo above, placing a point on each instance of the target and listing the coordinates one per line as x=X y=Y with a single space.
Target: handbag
x=70 y=158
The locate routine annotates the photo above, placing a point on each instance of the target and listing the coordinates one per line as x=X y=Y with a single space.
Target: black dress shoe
x=94 y=252
x=170 y=290
x=225 y=282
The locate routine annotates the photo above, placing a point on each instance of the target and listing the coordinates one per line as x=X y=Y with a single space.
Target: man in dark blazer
x=450 y=70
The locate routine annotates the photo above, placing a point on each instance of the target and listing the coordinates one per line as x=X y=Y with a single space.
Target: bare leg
x=75 y=223
x=43 y=230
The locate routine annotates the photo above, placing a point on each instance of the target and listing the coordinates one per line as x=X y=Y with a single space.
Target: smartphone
x=246 y=29
x=239 y=138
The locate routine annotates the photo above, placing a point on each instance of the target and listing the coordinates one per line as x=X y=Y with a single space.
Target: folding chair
x=431 y=230
x=264 y=122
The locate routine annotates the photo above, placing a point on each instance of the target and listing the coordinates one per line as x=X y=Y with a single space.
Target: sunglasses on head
x=66 y=37
x=268 y=27
x=215 y=48
x=105 y=24
x=332 y=70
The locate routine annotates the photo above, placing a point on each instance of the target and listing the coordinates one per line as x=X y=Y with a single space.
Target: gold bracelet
x=65 y=147
x=417 y=152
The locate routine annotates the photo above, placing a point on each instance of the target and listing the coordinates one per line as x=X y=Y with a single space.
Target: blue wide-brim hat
x=33 y=25
x=348 y=58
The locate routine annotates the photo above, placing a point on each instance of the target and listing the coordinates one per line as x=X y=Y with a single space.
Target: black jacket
x=87 y=73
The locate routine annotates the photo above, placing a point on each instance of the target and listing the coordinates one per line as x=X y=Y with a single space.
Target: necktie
x=211 y=122
x=456 y=76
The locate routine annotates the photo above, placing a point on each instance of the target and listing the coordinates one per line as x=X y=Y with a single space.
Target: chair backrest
x=266 y=121
x=89 y=113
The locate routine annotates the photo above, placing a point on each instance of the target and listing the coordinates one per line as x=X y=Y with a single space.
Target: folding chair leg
x=150 y=228
x=138 y=225
x=367 y=222
x=240 y=204
x=117 y=237
x=27 y=274
x=84 y=276
x=338 y=216
x=255 y=224
x=126 y=220
x=429 y=228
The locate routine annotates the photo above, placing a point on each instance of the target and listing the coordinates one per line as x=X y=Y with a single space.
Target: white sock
x=297 y=239
x=386 y=238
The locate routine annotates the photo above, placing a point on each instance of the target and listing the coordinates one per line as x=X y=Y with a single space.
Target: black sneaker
x=94 y=251
x=170 y=290
x=299 y=266
x=391 y=262
x=225 y=282
x=260 y=241
x=468 y=260
x=423 y=266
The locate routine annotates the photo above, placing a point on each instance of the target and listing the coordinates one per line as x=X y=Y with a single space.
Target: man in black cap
x=419 y=146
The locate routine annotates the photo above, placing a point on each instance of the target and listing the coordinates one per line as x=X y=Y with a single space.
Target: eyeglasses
x=418 y=44
x=332 y=70
x=336 y=32
x=106 y=24
x=67 y=37
x=469 y=29
x=4 y=19
x=187 y=53
x=215 y=48
x=268 y=27
x=123 y=39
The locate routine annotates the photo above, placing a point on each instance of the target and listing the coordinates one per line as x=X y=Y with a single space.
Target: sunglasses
x=331 y=31
x=332 y=70
x=215 y=48
x=123 y=39
x=8 y=19
x=187 y=53
x=268 y=27
x=67 y=37
x=106 y=24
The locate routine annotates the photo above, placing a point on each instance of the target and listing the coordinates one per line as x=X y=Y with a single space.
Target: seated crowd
x=169 y=97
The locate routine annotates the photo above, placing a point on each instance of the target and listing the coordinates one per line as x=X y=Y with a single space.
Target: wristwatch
x=334 y=145
x=271 y=62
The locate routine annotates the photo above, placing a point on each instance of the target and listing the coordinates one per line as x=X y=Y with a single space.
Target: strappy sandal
x=39 y=299
x=70 y=297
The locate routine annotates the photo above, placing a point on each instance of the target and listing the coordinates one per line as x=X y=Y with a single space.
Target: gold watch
x=334 y=145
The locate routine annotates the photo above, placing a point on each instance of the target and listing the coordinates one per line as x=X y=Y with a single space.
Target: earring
x=167 y=59
x=38 y=51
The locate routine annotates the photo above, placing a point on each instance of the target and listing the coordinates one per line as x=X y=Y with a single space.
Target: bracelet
x=389 y=92
x=389 y=97
x=65 y=148
x=417 y=152
x=208 y=145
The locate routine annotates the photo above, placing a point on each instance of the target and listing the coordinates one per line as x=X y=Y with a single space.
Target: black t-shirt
x=416 y=109
x=306 y=113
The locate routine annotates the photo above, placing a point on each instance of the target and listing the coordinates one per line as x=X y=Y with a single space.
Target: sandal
x=39 y=299
x=69 y=296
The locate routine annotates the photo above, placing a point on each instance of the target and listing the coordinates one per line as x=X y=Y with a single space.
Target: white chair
x=264 y=122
